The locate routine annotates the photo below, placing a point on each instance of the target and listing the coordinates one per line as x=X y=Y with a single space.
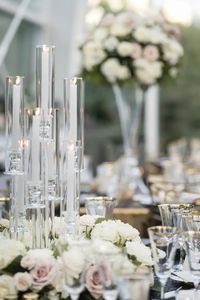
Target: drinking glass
x=192 y=242
x=163 y=240
x=108 y=259
x=101 y=206
x=135 y=286
x=75 y=286
x=172 y=215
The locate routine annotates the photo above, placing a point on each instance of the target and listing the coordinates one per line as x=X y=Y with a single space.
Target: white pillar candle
x=16 y=115
x=73 y=111
x=35 y=149
x=45 y=80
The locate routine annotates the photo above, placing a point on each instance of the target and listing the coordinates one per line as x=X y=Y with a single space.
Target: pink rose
x=28 y=262
x=93 y=282
x=23 y=281
x=136 y=51
x=44 y=273
x=151 y=53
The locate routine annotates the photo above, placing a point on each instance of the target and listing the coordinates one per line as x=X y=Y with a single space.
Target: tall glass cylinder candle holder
x=14 y=112
x=37 y=179
x=74 y=114
x=18 y=207
x=45 y=66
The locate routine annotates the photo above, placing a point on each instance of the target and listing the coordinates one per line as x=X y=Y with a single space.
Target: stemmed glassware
x=172 y=215
x=163 y=240
x=192 y=242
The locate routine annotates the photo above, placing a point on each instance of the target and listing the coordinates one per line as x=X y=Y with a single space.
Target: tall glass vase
x=130 y=105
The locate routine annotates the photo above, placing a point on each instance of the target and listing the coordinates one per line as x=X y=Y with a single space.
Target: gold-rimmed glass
x=101 y=206
x=163 y=240
x=192 y=243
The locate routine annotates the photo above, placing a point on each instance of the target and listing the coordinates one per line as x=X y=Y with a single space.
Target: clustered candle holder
x=44 y=158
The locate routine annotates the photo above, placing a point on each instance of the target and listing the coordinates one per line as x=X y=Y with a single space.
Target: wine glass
x=172 y=215
x=192 y=242
x=163 y=240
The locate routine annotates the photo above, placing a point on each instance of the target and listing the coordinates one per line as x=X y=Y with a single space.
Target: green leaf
x=100 y=220
x=14 y=267
x=134 y=260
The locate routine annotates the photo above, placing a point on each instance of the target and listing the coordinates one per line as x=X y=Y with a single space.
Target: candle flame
x=24 y=143
x=37 y=111
x=17 y=80
x=74 y=80
x=45 y=48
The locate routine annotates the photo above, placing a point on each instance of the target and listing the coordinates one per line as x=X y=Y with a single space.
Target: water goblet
x=172 y=215
x=163 y=240
x=192 y=243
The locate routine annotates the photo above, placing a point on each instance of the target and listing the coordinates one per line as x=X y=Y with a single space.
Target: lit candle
x=35 y=149
x=45 y=80
x=16 y=113
x=73 y=111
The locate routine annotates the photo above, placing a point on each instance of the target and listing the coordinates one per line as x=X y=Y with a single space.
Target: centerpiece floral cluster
x=48 y=272
x=124 y=46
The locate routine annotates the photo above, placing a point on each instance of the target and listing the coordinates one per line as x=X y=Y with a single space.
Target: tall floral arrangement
x=124 y=46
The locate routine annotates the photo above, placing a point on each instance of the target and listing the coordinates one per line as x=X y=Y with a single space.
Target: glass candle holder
x=14 y=111
x=45 y=67
x=74 y=113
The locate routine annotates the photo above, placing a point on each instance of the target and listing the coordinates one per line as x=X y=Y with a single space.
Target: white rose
x=151 y=53
x=142 y=34
x=123 y=73
x=172 y=51
x=127 y=232
x=140 y=251
x=119 y=29
x=156 y=35
x=28 y=262
x=106 y=230
x=115 y=5
x=73 y=262
x=93 y=54
x=23 y=281
x=104 y=247
x=9 y=250
x=109 y=69
x=125 y=49
x=111 y=43
x=108 y=20
x=4 y=223
x=145 y=34
x=147 y=72
x=127 y=18
x=100 y=34
x=7 y=286
x=136 y=51
x=86 y=223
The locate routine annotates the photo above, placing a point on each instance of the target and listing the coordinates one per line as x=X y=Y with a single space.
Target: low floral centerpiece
x=50 y=272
